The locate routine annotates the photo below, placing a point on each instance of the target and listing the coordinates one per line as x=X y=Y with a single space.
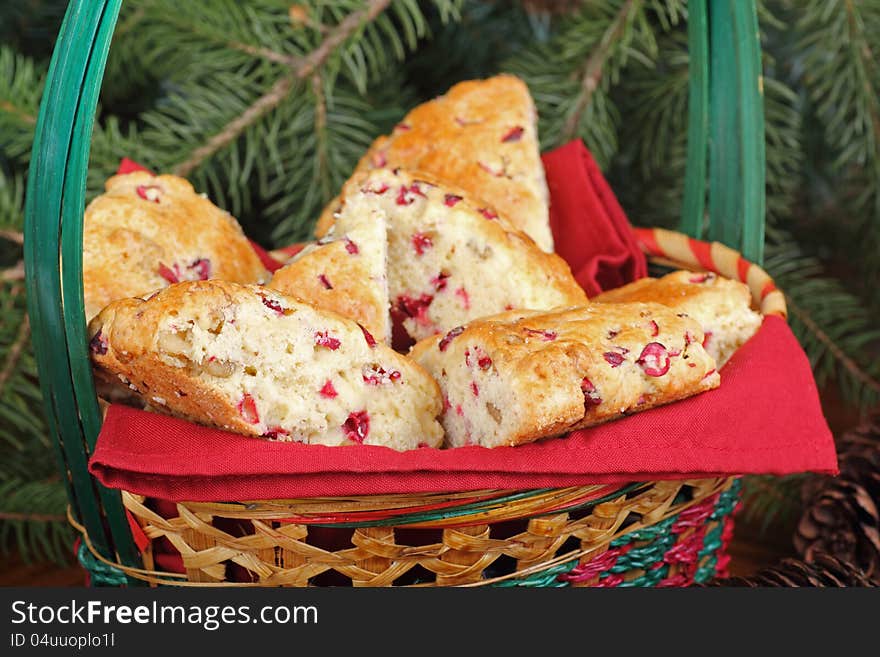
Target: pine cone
x=841 y=514
x=825 y=571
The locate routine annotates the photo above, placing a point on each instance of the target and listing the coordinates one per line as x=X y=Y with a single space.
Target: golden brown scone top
x=481 y=136
x=677 y=288
x=146 y=232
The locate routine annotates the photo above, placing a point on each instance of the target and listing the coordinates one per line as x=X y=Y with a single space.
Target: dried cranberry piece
x=273 y=305
x=274 y=433
x=458 y=410
x=150 y=193
x=169 y=274
x=484 y=363
x=351 y=247
x=370 y=190
x=247 y=408
x=439 y=281
x=421 y=243
x=706 y=336
x=702 y=278
x=613 y=358
x=475 y=389
x=407 y=195
x=98 y=344
x=403 y=127
x=371 y=341
x=465 y=298
x=688 y=338
x=446 y=405
x=655 y=328
x=202 y=269
x=415 y=308
x=375 y=376
x=451 y=199
x=324 y=339
x=514 y=134
x=591 y=397
x=449 y=337
x=546 y=336
x=613 y=334
x=467 y=357
x=325 y=282
x=327 y=390
x=708 y=374
x=654 y=359
x=497 y=173
x=489 y=214
x=378 y=159
x=357 y=426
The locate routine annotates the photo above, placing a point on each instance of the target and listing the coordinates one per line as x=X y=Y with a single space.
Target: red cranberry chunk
x=421 y=243
x=407 y=195
x=475 y=389
x=169 y=274
x=439 y=281
x=369 y=189
x=357 y=426
x=327 y=390
x=415 y=308
x=514 y=134
x=484 y=363
x=702 y=278
x=98 y=344
x=706 y=336
x=465 y=298
x=378 y=159
x=654 y=359
x=324 y=339
x=150 y=193
x=613 y=358
x=273 y=304
x=591 y=397
x=375 y=376
x=655 y=328
x=351 y=247
x=449 y=337
x=489 y=214
x=201 y=268
x=247 y=408
x=546 y=336
x=708 y=374
x=402 y=127
x=274 y=433
x=613 y=334
x=451 y=199
x=325 y=282
x=371 y=341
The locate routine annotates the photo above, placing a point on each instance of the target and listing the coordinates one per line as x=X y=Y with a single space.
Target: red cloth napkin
x=765 y=417
x=589 y=227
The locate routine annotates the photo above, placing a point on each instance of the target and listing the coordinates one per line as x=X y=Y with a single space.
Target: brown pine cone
x=825 y=571
x=841 y=514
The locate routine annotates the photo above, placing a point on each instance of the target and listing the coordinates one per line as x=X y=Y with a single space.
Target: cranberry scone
x=344 y=272
x=481 y=137
x=720 y=305
x=251 y=360
x=450 y=260
x=519 y=377
x=147 y=232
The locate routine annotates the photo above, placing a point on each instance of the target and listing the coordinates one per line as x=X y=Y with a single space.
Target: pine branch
x=302 y=68
x=593 y=69
x=14 y=352
x=850 y=365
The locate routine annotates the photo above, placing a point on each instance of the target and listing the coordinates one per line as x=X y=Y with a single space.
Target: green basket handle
x=726 y=114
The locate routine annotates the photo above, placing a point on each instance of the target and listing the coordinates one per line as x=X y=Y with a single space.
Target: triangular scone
x=251 y=360
x=147 y=232
x=481 y=137
x=519 y=377
x=344 y=272
x=720 y=305
x=451 y=260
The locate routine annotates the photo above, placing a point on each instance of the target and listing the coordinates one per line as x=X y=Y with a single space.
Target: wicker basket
x=642 y=534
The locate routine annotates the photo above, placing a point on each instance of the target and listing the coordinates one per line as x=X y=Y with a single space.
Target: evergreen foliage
x=266 y=106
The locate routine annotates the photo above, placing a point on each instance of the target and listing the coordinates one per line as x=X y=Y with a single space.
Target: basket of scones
x=467 y=378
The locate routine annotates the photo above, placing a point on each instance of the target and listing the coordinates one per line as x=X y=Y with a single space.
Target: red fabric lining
x=765 y=417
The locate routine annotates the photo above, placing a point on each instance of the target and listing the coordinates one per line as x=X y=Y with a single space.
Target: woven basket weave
x=651 y=534
x=643 y=534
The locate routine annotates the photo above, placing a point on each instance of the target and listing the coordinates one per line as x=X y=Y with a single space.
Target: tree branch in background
x=303 y=67
x=28 y=118
x=848 y=363
x=593 y=69
x=12 y=236
x=14 y=353
x=14 y=273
